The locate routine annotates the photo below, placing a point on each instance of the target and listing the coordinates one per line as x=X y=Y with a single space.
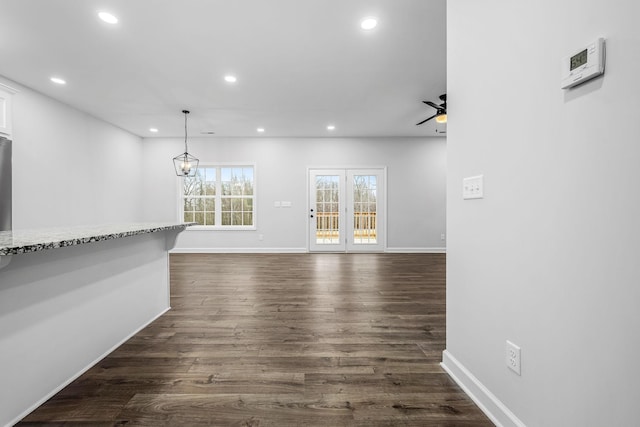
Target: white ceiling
x=300 y=64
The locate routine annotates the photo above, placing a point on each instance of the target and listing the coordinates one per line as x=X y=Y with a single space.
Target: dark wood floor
x=281 y=340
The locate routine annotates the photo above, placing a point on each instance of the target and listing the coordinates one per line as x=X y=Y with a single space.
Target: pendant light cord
x=185 y=130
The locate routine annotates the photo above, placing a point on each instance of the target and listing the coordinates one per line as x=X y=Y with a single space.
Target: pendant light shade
x=185 y=163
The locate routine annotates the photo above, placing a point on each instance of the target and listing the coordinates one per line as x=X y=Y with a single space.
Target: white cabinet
x=6 y=96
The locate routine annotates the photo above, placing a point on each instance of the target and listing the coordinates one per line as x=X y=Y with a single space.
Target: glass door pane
x=326 y=211
x=366 y=210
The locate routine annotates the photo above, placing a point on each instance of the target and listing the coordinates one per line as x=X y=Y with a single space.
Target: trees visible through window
x=220 y=197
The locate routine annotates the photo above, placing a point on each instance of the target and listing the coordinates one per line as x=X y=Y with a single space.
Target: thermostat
x=583 y=64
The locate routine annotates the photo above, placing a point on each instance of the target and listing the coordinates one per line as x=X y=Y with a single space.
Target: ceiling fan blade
x=436 y=106
x=426 y=120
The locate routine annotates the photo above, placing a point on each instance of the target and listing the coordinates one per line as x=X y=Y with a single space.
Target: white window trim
x=253 y=227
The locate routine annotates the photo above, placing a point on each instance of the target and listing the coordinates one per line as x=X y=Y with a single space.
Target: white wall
x=416 y=170
x=70 y=168
x=549 y=258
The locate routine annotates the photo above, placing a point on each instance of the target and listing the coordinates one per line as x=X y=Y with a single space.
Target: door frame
x=382 y=203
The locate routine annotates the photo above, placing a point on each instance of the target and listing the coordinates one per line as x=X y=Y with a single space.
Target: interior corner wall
x=70 y=168
x=549 y=257
x=416 y=186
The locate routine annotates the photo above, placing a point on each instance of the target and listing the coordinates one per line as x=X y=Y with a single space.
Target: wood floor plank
x=281 y=340
x=245 y=410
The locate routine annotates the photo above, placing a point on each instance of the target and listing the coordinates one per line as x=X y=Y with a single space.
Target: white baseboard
x=238 y=250
x=417 y=250
x=292 y=250
x=82 y=371
x=493 y=408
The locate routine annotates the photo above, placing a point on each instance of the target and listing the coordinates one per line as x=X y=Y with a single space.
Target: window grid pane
x=237 y=211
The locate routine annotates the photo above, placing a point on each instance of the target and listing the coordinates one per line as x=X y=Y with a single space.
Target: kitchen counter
x=25 y=241
x=63 y=310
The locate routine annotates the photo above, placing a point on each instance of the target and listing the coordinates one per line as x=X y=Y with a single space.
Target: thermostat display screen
x=578 y=59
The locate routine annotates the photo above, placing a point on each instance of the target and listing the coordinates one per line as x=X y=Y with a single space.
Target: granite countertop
x=24 y=241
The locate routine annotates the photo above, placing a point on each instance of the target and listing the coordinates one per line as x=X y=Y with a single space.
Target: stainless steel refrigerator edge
x=5 y=184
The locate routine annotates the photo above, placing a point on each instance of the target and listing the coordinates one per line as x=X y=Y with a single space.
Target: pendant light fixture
x=185 y=163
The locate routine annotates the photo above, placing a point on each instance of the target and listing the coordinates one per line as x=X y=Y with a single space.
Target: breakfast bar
x=70 y=296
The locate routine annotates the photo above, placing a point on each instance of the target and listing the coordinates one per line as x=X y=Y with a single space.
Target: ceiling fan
x=441 y=110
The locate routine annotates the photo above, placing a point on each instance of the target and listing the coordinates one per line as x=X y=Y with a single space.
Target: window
x=220 y=197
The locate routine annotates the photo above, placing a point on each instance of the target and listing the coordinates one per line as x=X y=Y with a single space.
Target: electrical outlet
x=442 y=236
x=261 y=237
x=513 y=357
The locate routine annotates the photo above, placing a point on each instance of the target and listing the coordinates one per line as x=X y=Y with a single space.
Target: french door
x=346 y=210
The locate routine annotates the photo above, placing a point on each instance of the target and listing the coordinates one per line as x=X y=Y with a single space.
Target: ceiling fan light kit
x=185 y=164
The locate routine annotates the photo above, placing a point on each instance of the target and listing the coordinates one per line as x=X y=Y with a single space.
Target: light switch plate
x=472 y=187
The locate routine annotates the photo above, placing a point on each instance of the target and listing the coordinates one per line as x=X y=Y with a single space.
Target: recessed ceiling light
x=154 y=130
x=369 y=23
x=230 y=79
x=58 y=80
x=331 y=127
x=260 y=130
x=108 y=18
